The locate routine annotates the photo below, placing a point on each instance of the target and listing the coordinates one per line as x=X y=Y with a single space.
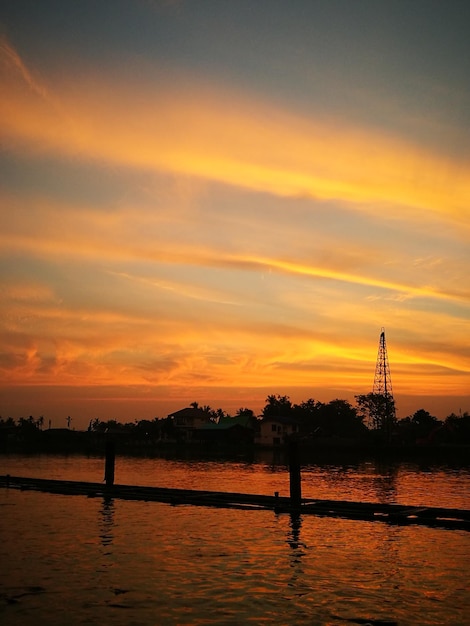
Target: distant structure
x=382 y=378
x=386 y=414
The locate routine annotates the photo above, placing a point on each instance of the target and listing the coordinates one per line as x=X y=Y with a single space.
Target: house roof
x=190 y=412
x=225 y=423
x=242 y=420
x=280 y=419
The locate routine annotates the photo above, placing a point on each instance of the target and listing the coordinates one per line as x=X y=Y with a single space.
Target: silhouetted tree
x=97 y=425
x=416 y=427
x=214 y=414
x=378 y=412
x=458 y=428
x=340 y=419
x=218 y=413
x=424 y=419
x=9 y=422
x=167 y=426
x=277 y=406
x=28 y=429
x=308 y=415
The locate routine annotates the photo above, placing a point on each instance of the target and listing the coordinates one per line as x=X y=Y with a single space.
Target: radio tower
x=385 y=415
x=382 y=378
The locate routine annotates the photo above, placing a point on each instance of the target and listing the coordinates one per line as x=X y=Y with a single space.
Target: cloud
x=252 y=248
x=127 y=235
x=48 y=339
x=171 y=123
x=14 y=65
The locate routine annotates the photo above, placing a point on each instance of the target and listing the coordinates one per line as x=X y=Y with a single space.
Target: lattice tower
x=383 y=416
x=382 y=378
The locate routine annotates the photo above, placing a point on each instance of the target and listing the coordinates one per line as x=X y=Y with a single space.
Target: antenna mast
x=382 y=378
x=385 y=416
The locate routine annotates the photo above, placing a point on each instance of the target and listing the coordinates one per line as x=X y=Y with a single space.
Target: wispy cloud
x=13 y=64
x=184 y=126
x=46 y=228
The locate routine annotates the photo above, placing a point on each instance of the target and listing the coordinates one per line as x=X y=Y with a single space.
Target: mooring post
x=109 y=463
x=294 y=475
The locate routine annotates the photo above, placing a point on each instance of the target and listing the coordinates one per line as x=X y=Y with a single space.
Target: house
x=276 y=430
x=188 y=421
x=229 y=430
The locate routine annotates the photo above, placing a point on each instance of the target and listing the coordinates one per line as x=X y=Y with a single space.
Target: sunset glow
x=203 y=218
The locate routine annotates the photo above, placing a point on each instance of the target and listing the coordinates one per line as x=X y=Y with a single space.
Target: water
x=76 y=560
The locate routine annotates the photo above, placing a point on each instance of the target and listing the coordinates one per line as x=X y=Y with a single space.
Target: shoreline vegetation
x=335 y=431
x=79 y=443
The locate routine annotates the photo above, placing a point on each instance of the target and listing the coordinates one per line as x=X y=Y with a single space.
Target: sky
x=214 y=201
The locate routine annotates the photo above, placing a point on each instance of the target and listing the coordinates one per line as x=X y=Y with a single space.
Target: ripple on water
x=78 y=560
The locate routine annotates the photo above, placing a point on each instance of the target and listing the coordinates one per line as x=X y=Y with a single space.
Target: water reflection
x=151 y=563
x=293 y=536
x=390 y=556
x=293 y=539
x=366 y=481
x=106 y=522
x=385 y=483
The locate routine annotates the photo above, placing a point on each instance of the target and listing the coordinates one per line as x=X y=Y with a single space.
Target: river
x=76 y=560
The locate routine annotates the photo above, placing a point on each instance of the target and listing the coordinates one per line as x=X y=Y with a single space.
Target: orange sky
x=176 y=227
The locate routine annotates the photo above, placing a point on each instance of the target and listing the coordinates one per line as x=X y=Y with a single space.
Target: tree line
x=373 y=416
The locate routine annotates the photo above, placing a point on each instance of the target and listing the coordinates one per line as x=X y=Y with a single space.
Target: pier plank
x=450 y=518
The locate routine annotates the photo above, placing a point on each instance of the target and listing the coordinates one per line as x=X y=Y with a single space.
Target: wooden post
x=294 y=475
x=109 y=463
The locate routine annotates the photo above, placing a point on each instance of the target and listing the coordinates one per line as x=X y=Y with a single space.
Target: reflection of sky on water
x=385 y=484
x=106 y=522
x=402 y=483
x=187 y=564
x=373 y=482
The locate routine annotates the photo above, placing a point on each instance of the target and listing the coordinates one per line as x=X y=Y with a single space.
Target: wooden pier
x=438 y=517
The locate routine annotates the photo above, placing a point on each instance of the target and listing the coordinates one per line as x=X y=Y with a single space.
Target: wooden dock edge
x=437 y=517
